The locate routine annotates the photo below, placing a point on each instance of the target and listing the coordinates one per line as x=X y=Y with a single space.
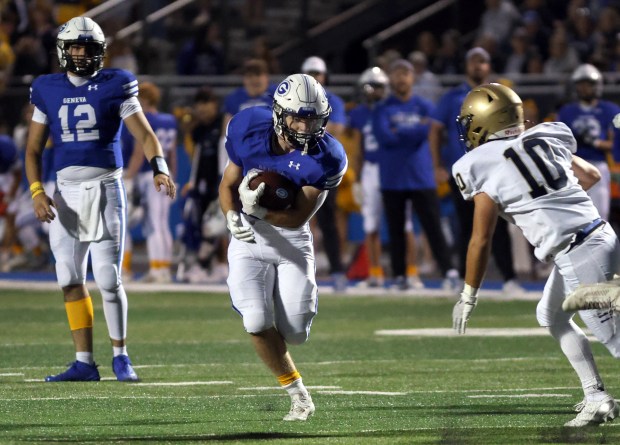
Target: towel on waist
x=90 y=221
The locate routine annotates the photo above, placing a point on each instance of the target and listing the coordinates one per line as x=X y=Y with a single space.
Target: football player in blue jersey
x=82 y=109
x=271 y=258
x=156 y=206
x=591 y=120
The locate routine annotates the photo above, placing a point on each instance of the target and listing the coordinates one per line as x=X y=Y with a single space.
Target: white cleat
x=578 y=407
x=415 y=282
x=594 y=296
x=301 y=407
x=512 y=287
x=594 y=413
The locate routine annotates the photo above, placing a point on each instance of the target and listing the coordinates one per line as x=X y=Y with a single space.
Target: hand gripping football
x=280 y=192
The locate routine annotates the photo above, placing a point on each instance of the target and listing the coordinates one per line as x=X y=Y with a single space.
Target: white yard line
x=516 y=396
x=365 y=393
x=271 y=388
x=11 y=374
x=472 y=332
x=213 y=382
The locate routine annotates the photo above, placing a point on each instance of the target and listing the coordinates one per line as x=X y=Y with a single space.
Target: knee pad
x=296 y=338
x=65 y=275
x=256 y=322
x=107 y=277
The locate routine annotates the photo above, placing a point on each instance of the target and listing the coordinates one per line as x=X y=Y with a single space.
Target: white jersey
x=531 y=180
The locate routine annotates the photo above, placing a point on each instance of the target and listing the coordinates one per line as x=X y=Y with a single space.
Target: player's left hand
x=462 y=311
x=167 y=182
x=249 y=198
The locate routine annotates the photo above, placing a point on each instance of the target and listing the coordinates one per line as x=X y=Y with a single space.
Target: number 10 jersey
x=85 y=120
x=531 y=180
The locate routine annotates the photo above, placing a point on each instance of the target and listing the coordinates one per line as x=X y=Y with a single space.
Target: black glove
x=585 y=137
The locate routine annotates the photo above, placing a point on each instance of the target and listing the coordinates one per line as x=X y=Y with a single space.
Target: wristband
x=35 y=186
x=471 y=291
x=159 y=166
x=37 y=192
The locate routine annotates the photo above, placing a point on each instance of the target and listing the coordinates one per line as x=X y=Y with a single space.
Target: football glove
x=236 y=227
x=463 y=309
x=249 y=198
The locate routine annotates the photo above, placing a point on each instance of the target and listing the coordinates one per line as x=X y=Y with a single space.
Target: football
x=280 y=192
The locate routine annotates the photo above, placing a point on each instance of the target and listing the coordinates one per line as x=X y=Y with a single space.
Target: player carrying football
x=532 y=179
x=271 y=258
x=83 y=109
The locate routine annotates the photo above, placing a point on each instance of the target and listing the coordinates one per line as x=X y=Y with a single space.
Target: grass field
x=202 y=383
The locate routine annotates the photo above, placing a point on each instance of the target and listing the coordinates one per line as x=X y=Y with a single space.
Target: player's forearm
x=478 y=253
x=151 y=146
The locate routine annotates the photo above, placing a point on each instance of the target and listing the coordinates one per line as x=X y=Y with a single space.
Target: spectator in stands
x=426 y=83
x=386 y=58
x=121 y=55
x=30 y=57
x=263 y=52
x=44 y=28
x=427 y=45
x=449 y=58
x=538 y=33
x=498 y=20
x=606 y=32
x=522 y=52
x=447 y=150
x=203 y=54
x=581 y=35
x=374 y=86
x=204 y=128
x=326 y=215
x=562 y=58
x=400 y=124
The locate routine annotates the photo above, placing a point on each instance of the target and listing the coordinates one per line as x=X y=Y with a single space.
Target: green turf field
x=202 y=383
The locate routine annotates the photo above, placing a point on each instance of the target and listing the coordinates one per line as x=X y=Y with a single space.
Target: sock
x=376 y=272
x=85 y=357
x=292 y=383
x=412 y=270
x=576 y=348
x=119 y=350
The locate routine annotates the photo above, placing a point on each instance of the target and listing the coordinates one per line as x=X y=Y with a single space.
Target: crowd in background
x=520 y=37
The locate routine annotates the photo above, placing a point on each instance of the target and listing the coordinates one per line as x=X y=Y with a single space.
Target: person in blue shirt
x=590 y=118
x=326 y=216
x=400 y=125
x=446 y=149
x=272 y=279
x=374 y=85
x=82 y=110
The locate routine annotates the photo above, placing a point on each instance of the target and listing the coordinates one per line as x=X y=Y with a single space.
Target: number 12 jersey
x=84 y=120
x=531 y=180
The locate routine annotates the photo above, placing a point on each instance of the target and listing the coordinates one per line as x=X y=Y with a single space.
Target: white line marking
x=270 y=388
x=516 y=396
x=368 y=393
x=472 y=332
x=11 y=374
x=214 y=382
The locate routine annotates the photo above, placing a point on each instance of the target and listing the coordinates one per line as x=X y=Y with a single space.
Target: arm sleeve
x=129 y=107
x=39 y=116
x=229 y=143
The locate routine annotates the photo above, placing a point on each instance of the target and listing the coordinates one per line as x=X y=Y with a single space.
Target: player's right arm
x=586 y=173
x=42 y=204
x=435 y=141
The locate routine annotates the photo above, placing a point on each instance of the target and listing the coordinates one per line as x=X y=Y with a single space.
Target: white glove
x=616 y=120
x=358 y=193
x=249 y=198
x=463 y=309
x=236 y=227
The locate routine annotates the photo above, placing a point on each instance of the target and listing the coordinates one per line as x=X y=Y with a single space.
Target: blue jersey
x=9 y=157
x=239 y=100
x=248 y=143
x=360 y=118
x=164 y=126
x=446 y=112
x=401 y=128
x=84 y=121
x=338 y=114
x=596 y=121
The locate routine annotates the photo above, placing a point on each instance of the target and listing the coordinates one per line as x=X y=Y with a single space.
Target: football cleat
x=301 y=407
x=594 y=296
x=414 y=282
x=77 y=372
x=595 y=413
x=121 y=365
x=578 y=407
x=512 y=287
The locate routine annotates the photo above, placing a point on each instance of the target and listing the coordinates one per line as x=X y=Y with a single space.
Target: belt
x=587 y=230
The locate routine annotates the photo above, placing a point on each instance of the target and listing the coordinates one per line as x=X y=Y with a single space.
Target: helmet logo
x=283 y=88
